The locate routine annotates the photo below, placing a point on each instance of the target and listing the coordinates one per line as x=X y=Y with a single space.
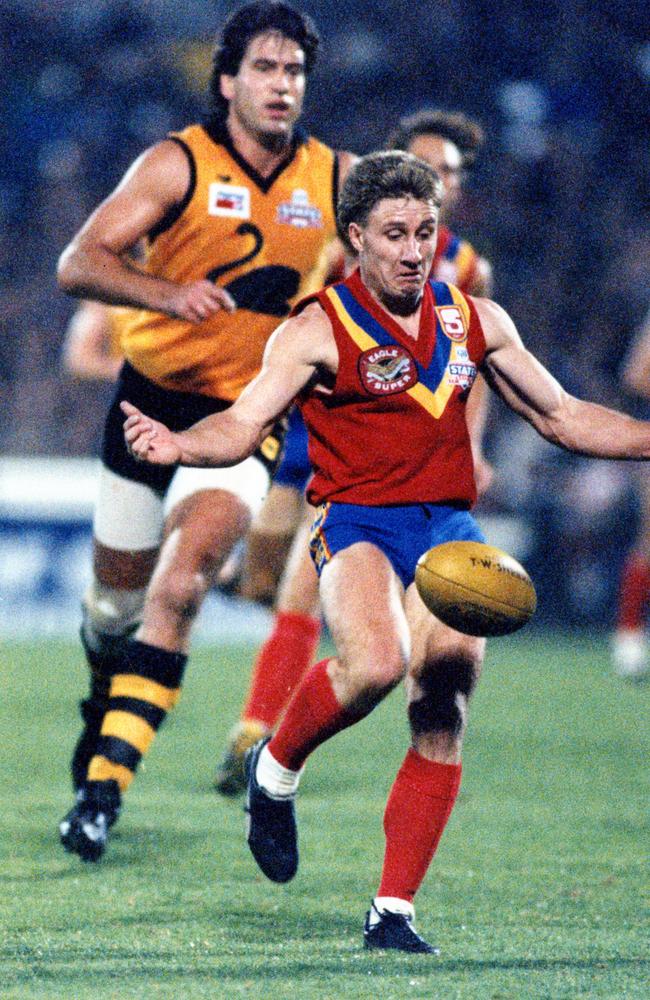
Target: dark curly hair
x=387 y=174
x=464 y=132
x=242 y=26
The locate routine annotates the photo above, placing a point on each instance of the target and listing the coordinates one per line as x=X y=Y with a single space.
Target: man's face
x=445 y=158
x=267 y=92
x=396 y=248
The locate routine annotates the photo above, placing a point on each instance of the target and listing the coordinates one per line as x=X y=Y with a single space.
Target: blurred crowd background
x=558 y=202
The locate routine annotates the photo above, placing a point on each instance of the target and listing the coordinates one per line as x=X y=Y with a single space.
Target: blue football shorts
x=294 y=469
x=402 y=532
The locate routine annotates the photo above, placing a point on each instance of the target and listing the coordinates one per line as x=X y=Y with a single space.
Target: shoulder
x=311 y=318
x=165 y=168
x=498 y=327
x=313 y=338
x=168 y=155
x=307 y=334
x=343 y=157
x=304 y=341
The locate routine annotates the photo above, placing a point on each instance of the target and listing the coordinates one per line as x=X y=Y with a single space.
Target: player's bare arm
x=531 y=391
x=97 y=265
x=297 y=351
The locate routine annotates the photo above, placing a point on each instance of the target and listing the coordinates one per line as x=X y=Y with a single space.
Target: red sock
x=634 y=591
x=418 y=807
x=314 y=714
x=280 y=663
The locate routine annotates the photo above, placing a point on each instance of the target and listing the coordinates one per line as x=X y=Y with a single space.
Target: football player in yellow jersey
x=277 y=556
x=235 y=214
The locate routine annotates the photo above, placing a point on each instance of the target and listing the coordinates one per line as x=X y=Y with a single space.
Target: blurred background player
x=630 y=653
x=277 y=561
x=91 y=346
x=236 y=214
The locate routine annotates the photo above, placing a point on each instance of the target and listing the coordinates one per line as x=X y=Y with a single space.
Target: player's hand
x=200 y=300
x=148 y=440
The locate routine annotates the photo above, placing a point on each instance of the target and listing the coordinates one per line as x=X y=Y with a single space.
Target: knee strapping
x=441 y=707
x=111 y=612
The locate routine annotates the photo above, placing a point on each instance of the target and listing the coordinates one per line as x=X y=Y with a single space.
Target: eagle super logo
x=386 y=370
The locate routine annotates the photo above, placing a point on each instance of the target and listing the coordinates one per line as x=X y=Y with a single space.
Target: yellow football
x=475 y=588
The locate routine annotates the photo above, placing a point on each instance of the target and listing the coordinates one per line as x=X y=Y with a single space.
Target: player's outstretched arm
x=97 y=265
x=298 y=348
x=530 y=390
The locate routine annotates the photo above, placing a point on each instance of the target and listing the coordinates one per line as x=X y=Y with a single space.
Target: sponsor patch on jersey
x=386 y=370
x=452 y=322
x=229 y=200
x=298 y=212
x=461 y=373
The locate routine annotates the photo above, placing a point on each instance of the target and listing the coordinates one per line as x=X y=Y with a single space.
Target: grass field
x=537 y=889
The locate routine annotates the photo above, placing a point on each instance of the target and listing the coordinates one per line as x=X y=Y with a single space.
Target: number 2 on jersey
x=266 y=289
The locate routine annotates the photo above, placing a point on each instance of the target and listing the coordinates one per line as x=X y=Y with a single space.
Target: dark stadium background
x=559 y=203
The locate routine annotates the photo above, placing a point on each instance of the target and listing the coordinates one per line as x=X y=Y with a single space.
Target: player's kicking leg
x=377 y=630
x=372 y=644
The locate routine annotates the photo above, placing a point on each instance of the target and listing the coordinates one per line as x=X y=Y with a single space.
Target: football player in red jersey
x=393 y=476
x=277 y=557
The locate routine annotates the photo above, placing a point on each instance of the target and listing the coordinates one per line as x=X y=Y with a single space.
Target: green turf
x=537 y=889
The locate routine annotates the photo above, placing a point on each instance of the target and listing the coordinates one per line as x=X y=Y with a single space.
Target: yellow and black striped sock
x=144 y=688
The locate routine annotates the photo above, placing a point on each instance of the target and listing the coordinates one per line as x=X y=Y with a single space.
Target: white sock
x=278 y=781
x=393 y=904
